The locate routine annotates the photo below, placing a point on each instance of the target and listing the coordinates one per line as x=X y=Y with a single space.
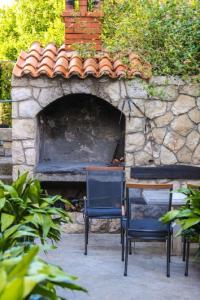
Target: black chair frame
x=145 y=235
x=102 y=216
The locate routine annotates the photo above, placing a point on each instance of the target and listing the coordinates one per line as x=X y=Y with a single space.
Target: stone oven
x=71 y=111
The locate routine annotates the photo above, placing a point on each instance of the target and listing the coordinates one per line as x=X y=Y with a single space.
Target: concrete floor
x=101 y=272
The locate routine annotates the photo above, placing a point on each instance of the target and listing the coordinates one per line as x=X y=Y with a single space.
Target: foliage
x=5 y=87
x=27 y=21
x=188 y=216
x=27 y=213
x=26 y=276
x=165 y=32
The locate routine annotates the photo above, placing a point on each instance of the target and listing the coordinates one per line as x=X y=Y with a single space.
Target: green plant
x=26 y=276
x=188 y=216
x=5 y=88
x=24 y=207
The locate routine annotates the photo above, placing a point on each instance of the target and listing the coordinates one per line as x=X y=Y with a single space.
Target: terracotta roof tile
x=52 y=61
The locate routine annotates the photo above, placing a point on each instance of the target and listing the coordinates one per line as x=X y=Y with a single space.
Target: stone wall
x=5 y=155
x=162 y=117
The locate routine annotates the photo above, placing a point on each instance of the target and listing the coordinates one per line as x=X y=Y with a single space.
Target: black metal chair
x=145 y=204
x=105 y=189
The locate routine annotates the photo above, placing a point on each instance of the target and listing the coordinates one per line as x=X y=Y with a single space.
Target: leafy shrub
x=26 y=276
x=188 y=216
x=5 y=88
x=165 y=32
x=26 y=212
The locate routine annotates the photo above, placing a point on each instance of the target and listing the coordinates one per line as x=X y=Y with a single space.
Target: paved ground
x=101 y=272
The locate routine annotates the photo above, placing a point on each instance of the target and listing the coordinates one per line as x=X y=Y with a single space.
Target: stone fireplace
x=72 y=110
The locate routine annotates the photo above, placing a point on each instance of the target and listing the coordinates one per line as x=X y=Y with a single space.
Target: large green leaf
x=20 y=182
x=188 y=223
x=3 y=279
x=170 y=216
x=11 y=190
x=6 y=221
x=22 y=267
x=13 y=290
x=2 y=202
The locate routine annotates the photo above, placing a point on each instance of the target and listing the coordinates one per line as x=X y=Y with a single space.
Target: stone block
x=158 y=135
x=166 y=80
x=8 y=152
x=142 y=158
x=194 y=115
x=113 y=91
x=15 y=113
x=48 y=95
x=28 y=109
x=198 y=102
x=134 y=142
x=135 y=125
x=21 y=93
x=6 y=134
x=17 y=153
x=24 y=129
x=30 y=155
x=36 y=92
x=43 y=82
x=183 y=104
x=174 y=141
x=155 y=108
x=167 y=157
x=184 y=155
x=19 y=82
x=7 y=145
x=136 y=89
x=196 y=155
x=164 y=120
x=192 y=140
x=28 y=144
x=191 y=89
x=182 y=125
x=167 y=93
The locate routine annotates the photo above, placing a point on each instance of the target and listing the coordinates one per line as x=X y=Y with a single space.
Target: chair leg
x=187 y=256
x=122 y=244
x=168 y=255
x=170 y=247
x=184 y=248
x=86 y=233
x=121 y=232
x=126 y=257
x=130 y=248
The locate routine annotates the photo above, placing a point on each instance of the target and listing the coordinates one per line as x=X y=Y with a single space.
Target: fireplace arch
x=78 y=130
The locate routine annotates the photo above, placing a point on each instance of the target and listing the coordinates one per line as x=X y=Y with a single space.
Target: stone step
x=6 y=166
x=7 y=179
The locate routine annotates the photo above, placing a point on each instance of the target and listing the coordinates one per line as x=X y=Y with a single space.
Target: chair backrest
x=147 y=201
x=105 y=187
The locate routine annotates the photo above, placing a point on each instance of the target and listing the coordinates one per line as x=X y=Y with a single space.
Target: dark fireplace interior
x=77 y=131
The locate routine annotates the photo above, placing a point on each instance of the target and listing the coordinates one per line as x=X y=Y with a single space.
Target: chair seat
x=103 y=212
x=147 y=228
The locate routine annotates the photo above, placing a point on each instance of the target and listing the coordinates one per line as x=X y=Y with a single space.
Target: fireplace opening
x=77 y=131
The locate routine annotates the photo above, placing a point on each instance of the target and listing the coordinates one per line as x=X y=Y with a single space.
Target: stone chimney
x=82 y=20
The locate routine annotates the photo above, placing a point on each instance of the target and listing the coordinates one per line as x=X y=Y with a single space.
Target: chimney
x=82 y=20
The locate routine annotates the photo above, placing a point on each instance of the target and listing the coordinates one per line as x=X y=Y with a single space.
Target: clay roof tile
x=52 y=61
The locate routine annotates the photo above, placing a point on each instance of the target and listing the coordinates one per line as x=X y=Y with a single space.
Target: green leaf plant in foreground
x=188 y=215
x=26 y=276
x=26 y=213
